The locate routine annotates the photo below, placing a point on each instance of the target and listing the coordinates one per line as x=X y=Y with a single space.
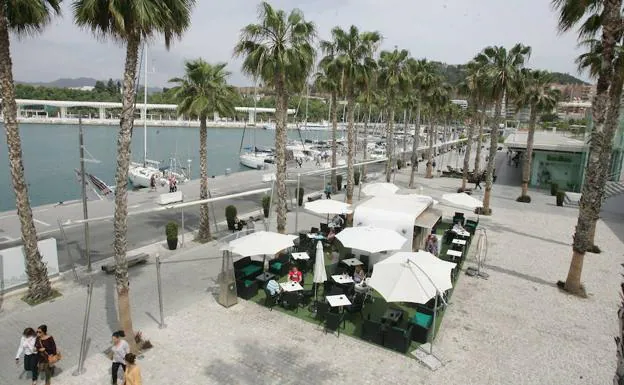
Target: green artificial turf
x=375 y=309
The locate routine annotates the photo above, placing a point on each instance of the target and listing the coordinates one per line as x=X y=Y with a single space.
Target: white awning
x=428 y=218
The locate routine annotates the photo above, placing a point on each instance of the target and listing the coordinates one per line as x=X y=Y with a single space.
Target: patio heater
x=477 y=271
x=227 y=282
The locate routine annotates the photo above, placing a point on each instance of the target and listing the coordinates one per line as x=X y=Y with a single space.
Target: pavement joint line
x=41 y=222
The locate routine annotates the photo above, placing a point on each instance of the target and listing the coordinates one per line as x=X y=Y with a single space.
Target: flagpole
x=85 y=211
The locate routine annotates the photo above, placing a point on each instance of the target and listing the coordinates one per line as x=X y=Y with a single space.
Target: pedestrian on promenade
x=119 y=350
x=132 y=374
x=328 y=191
x=251 y=225
x=48 y=354
x=31 y=358
x=153 y=182
x=478 y=179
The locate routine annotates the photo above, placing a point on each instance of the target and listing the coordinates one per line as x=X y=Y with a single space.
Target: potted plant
x=230 y=216
x=554 y=187
x=171 y=231
x=266 y=205
x=560 y=196
x=356 y=177
x=300 y=196
x=339 y=181
x=399 y=164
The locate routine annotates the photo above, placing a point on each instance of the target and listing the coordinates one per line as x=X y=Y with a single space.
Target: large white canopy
x=380 y=189
x=371 y=239
x=411 y=277
x=261 y=243
x=462 y=200
x=328 y=206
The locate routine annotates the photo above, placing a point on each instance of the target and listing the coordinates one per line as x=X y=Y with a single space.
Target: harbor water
x=50 y=154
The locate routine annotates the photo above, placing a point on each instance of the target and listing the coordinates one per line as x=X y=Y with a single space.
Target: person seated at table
x=457 y=228
x=274 y=288
x=432 y=244
x=359 y=275
x=294 y=275
x=331 y=235
x=336 y=221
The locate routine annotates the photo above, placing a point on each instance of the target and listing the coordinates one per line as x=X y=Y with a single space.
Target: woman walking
x=47 y=353
x=31 y=358
x=120 y=348
x=132 y=375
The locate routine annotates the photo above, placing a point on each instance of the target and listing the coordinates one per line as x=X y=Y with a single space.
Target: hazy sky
x=451 y=31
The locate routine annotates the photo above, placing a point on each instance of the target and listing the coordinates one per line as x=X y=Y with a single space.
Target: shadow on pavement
x=261 y=364
x=520 y=275
x=498 y=228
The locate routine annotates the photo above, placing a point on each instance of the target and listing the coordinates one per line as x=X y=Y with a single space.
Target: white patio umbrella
x=261 y=242
x=371 y=239
x=320 y=274
x=380 y=189
x=462 y=200
x=412 y=277
x=328 y=206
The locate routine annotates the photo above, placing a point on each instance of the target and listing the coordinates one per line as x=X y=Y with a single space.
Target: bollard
x=85 y=327
x=160 y=300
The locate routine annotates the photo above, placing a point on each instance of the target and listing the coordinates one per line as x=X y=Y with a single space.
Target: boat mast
x=145 y=105
x=255 y=114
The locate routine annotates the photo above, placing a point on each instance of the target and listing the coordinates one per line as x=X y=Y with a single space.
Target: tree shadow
x=262 y=364
x=498 y=228
x=524 y=276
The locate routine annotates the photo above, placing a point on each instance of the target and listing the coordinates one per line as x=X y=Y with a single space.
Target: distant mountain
x=80 y=82
x=455 y=74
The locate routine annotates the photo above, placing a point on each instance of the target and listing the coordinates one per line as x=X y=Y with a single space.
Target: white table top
x=291 y=286
x=463 y=233
x=342 y=279
x=459 y=241
x=352 y=262
x=302 y=255
x=338 y=300
x=315 y=236
x=454 y=253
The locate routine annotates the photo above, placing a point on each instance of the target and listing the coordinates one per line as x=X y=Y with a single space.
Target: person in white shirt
x=31 y=357
x=119 y=349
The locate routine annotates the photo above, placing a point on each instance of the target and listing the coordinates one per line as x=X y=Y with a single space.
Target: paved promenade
x=515 y=328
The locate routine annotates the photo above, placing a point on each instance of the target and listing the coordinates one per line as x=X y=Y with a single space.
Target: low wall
x=13 y=264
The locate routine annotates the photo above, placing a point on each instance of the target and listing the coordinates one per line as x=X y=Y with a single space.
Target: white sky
x=451 y=31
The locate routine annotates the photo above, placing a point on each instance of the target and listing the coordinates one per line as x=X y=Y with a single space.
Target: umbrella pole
x=435 y=311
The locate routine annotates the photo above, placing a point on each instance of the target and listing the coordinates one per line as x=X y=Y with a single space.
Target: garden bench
x=134 y=260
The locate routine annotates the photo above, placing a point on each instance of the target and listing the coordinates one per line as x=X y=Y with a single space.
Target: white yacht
x=378 y=153
x=256 y=158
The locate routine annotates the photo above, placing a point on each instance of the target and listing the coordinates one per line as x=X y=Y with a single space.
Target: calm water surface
x=50 y=154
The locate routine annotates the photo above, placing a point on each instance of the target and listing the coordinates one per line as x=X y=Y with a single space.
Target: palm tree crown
x=502 y=67
x=29 y=17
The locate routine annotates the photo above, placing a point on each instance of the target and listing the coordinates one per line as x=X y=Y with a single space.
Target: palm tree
x=502 y=68
x=329 y=79
x=130 y=25
x=367 y=99
x=471 y=87
x=437 y=99
x=203 y=90
x=423 y=75
x=536 y=93
x=279 y=51
x=355 y=52
x=393 y=78
x=23 y=18
x=604 y=16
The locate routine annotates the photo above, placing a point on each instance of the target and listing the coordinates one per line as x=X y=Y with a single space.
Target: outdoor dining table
x=317 y=236
x=392 y=316
x=265 y=277
x=342 y=279
x=301 y=256
x=461 y=233
x=291 y=286
x=461 y=242
x=351 y=262
x=338 y=300
x=454 y=253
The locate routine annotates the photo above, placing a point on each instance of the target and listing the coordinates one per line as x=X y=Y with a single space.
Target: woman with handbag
x=132 y=375
x=31 y=358
x=48 y=355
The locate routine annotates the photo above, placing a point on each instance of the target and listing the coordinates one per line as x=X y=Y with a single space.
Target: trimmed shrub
x=230 y=216
x=356 y=177
x=523 y=199
x=339 y=182
x=399 y=164
x=560 y=196
x=300 y=196
x=554 y=187
x=171 y=231
x=266 y=205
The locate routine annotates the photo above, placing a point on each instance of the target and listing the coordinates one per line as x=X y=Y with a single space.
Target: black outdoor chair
x=335 y=290
x=306 y=295
x=246 y=288
x=365 y=260
x=290 y=300
x=324 y=228
x=280 y=265
x=422 y=324
x=322 y=308
x=333 y=321
x=372 y=331
x=356 y=306
x=398 y=339
x=314 y=230
x=270 y=300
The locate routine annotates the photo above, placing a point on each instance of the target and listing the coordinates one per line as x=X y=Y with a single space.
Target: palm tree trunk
x=526 y=166
x=430 y=155
x=591 y=193
x=38 y=283
x=469 y=140
x=390 y=144
x=334 y=148
x=204 y=213
x=477 y=163
x=120 y=224
x=281 y=100
x=619 y=342
x=405 y=124
x=489 y=177
x=365 y=151
x=415 y=145
x=350 y=146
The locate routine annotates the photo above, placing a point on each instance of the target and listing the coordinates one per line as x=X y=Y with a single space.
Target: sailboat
x=140 y=174
x=255 y=157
